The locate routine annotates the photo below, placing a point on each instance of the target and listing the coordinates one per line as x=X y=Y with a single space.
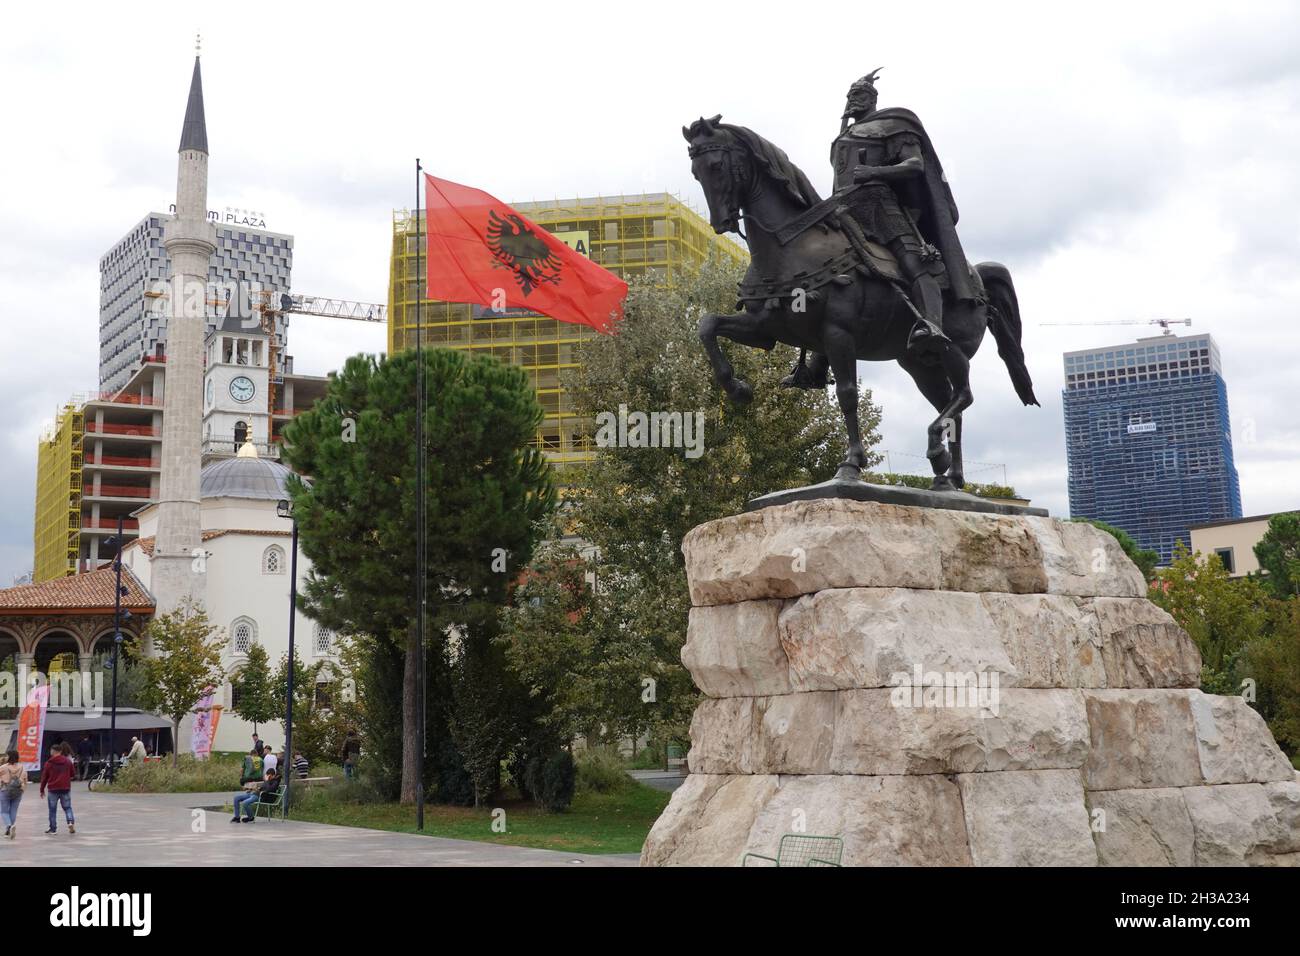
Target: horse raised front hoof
x=742 y=393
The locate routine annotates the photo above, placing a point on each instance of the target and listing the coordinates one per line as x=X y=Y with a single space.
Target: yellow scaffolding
x=57 y=533
x=654 y=233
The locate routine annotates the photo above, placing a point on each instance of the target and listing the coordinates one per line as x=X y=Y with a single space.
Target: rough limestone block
x=723 y=736
x=794 y=733
x=1234 y=742
x=1081 y=559
x=1028 y=730
x=1236 y=824
x=1027 y=818
x=1141 y=738
x=806 y=546
x=734 y=650
x=884 y=821
x=1142 y=827
x=1284 y=801
x=1142 y=646
x=707 y=821
x=1052 y=640
x=980 y=552
x=862 y=637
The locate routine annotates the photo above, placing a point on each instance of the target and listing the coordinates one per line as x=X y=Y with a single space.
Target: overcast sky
x=1126 y=161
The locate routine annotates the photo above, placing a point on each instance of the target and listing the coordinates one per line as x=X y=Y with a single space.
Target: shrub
x=558 y=778
x=187 y=776
x=601 y=770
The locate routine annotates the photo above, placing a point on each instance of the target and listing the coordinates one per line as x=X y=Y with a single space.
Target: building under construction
x=653 y=234
x=101 y=459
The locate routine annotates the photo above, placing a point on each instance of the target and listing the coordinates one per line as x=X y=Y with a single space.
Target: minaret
x=179 y=569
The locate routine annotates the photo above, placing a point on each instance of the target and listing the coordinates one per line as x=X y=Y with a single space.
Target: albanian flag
x=481 y=250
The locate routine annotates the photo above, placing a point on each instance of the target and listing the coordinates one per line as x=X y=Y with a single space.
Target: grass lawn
x=594 y=823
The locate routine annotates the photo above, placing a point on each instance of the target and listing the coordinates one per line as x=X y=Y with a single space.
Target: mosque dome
x=245 y=476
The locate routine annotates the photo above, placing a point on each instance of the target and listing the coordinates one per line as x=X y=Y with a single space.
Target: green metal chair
x=800 y=849
x=273 y=807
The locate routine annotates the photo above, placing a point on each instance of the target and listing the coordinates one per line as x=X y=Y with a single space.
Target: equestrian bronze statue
x=875 y=272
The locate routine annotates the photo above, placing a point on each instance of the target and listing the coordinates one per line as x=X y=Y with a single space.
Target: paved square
x=159 y=830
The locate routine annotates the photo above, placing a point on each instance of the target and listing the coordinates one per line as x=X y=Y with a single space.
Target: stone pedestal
x=949 y=688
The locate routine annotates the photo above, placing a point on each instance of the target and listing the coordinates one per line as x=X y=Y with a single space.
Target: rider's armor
x=877 y=207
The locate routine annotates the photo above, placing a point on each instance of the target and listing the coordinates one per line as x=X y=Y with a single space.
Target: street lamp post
x=118 y=593
x=285 y=510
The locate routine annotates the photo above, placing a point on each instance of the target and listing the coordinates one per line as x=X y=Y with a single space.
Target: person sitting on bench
x=265 y=792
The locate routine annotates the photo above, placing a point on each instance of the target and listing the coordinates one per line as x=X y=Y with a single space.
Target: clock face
x=242 y=388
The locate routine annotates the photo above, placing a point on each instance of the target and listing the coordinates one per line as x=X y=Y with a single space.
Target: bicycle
x=102 y=778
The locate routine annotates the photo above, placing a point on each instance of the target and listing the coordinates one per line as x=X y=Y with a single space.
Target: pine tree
x=487 y=490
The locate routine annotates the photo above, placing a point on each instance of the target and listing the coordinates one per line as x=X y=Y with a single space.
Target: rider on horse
x=902 y=201
x=890 y=187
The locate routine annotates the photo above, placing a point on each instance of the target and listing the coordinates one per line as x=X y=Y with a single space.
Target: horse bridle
x=733 y=172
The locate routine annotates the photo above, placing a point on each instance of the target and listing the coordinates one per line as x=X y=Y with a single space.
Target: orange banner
x=31 y=727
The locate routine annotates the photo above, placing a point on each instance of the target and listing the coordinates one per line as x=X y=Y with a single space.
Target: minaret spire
x=179 y=568
x=194 y=133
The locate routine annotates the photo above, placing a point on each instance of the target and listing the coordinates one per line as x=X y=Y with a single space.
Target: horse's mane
x=773 y=160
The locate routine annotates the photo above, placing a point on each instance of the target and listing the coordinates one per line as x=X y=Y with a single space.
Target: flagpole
x=421 y=283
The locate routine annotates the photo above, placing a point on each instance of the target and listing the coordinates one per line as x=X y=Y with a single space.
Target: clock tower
x=236 y=389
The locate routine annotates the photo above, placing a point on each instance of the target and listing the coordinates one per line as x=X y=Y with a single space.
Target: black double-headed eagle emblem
x=516 y=247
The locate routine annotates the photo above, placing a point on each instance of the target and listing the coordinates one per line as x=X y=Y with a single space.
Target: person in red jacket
x=56 y=777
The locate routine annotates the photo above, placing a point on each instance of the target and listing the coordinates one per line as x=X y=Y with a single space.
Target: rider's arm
x=910 y=162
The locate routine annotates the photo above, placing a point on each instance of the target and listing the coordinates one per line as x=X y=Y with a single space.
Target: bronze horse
x=815 y=292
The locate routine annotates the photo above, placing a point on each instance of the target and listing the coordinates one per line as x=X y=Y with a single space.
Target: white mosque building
x=246 y=544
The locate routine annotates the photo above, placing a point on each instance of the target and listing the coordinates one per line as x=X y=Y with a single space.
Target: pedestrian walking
x=137 y=751
x=56 y=786
x=13 y=781
x=270 y=762
x=258 y=747
x=300 y=766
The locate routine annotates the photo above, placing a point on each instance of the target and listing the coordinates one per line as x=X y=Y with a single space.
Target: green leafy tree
x=1144 y=559
x=1278 y=553
x=1223 y=615
x=256 y=701
x=487 y=490
x=186 y=661
x=574 y=659
x=635 y=504
x=1273 y=663
x=319 y=724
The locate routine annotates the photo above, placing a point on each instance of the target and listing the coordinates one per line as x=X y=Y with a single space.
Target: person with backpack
x=252 y=770
x=13 y=781
x=56 y=777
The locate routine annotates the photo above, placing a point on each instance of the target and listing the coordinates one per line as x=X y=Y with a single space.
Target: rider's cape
x=938 y=210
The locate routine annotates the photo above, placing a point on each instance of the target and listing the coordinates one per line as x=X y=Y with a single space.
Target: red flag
x=481 y=250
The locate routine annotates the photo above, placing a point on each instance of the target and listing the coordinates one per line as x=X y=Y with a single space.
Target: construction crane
x=309 y=305
x=1163 y=323
x=334 y=308
x=264 y=303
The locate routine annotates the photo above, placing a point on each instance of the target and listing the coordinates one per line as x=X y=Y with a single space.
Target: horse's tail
x=1004 y=321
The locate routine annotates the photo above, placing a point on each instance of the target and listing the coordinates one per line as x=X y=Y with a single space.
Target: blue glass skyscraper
x=1148 y=438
